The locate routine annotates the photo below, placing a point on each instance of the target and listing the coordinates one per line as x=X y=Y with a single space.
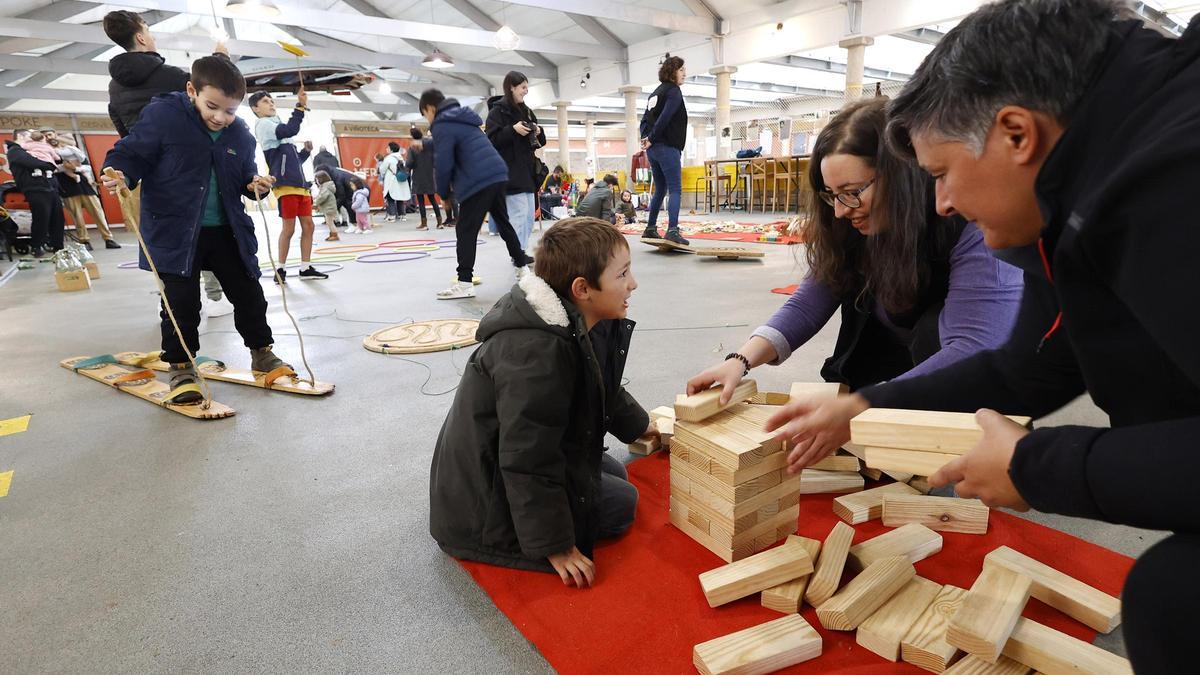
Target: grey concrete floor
x=293 y=537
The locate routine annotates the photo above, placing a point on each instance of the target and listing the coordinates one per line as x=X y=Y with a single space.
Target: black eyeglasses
x=851 y=199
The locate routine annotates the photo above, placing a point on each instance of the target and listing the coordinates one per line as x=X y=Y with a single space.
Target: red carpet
x=647 y=611
x=786 y=290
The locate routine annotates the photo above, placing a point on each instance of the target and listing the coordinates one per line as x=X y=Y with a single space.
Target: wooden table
x=713 y=168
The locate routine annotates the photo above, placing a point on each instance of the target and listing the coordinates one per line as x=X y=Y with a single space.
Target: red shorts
x=295 y=206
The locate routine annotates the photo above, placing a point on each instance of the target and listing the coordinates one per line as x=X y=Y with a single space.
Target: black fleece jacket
x=514 y=148
x=1121 y=247
x=138 y=77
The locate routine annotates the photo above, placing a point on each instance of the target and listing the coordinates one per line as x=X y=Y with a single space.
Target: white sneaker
x=457 y=291
x=216 y=308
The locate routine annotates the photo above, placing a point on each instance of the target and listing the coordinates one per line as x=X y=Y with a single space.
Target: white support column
x=856 y=51
x=632 y=141
x=724 y=133
x=564 y=136
x=589 y=131
x=700 y=138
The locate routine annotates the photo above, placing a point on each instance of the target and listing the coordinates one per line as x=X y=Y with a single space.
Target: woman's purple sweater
x=980 y=308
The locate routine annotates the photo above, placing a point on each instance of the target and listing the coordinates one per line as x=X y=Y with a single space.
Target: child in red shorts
x=285 y=164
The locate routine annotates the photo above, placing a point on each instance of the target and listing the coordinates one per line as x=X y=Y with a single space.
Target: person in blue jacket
x=286 y=165
x=195 y=160
x=465 y=161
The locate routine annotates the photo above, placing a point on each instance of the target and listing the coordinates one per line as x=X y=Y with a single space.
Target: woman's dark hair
x=511 y=80
x=893 y=265
x=415 y=133
x=670 y=66
x=394 y=146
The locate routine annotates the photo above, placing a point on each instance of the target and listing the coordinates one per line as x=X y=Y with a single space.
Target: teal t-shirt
x=214 y=215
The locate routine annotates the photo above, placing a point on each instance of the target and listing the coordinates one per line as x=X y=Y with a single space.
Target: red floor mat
x=786 y=290
x=647 y=610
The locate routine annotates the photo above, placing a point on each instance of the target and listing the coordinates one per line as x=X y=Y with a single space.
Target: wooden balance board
x=152 y=390
x=213 y=370
x=423 y=336
x=721 y=252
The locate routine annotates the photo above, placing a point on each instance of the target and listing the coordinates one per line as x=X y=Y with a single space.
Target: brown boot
x=438 y=215
x=424 y=222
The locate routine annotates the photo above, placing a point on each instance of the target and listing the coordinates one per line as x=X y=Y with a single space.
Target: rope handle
x=127 y=210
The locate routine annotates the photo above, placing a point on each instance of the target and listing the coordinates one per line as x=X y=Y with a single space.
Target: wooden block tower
x=729 y=487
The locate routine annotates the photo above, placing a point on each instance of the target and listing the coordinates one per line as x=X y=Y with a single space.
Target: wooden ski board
x=212 y=371
x=153 y=391
x=721 y=252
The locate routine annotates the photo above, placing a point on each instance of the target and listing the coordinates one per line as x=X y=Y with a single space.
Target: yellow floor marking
x=5 y=481
x=14 y=425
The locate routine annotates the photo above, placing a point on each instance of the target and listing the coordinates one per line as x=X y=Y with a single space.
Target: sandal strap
x=282 y=371
x=182 y=389
x=133 y=377
x=103 y=359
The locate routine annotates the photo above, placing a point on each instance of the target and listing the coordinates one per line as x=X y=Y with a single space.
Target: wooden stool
x=759 y=174
x=712 y=190
x=785 y=172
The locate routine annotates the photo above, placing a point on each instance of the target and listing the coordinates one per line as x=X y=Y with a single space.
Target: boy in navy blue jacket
x=466 y=162
x=286 y=165
x=195 y=159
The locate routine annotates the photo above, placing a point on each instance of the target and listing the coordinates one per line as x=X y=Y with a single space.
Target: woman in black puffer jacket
x=513 y=129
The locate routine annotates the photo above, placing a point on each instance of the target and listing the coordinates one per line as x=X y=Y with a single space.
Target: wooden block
x=925 y=643
x=943 y=514
x=738 y=476
x=913 y=541
x=867 y=505
x=928 y=430
x=883 y=631
x=838 y=463
x=860 y=451
x=908 y=461
x=645 y=446
x=988 y=613
x=664 y=419
x=786 y=597
x=921 y=484
x=663 y=411
x=707 y=403
x=827 y=573
x=749 y=421
x=724 y=446
x=816 y=481
x=734 y=494
x=865 y=593
x=764 y=648
x=873 y=474
x=769 y=398
x=973 y=665
x=1072 y=597
x=756 y=573
x=678 y=517
x=816 y=390
x=1050 y=651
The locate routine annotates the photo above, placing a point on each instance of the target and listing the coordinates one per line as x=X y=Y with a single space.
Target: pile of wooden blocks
x=729 y=489
x=914 y=442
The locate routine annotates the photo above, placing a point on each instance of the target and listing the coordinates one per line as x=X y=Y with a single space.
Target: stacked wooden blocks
x=915 y=442
x=729 y=489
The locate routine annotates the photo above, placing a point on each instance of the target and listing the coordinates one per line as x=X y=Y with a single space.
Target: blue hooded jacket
x=170 y=153
x=463 y=157
x=284 y=161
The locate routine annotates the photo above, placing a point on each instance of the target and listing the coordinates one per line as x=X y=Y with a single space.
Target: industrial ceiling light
x=584 y=80
x=507 y=39
x=438 y=60
x=261 y=9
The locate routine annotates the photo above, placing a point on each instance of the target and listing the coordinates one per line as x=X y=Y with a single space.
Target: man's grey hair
x=1038 y=54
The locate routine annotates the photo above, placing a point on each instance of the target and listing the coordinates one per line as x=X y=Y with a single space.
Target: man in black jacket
x=140 y=73
x=1070 y=138
x=35 y=179
x=343 y=189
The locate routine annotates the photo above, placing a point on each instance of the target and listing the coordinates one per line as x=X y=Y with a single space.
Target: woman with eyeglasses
x=916 y=291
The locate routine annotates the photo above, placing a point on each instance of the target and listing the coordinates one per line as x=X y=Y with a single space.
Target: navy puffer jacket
x=170 y=153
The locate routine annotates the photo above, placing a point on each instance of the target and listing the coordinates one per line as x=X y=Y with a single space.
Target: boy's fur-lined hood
x=531 y=303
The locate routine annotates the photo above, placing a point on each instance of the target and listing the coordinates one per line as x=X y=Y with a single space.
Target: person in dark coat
x=324 y=158
x=196 y=160
x=465 y=162
x=513 y=129
x=520 y=476
x=344 y=188
x=35 y=180
x=664 y=133
x=601 y=201
x=140 y=73
x=420 y=170
x=1079 y=163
